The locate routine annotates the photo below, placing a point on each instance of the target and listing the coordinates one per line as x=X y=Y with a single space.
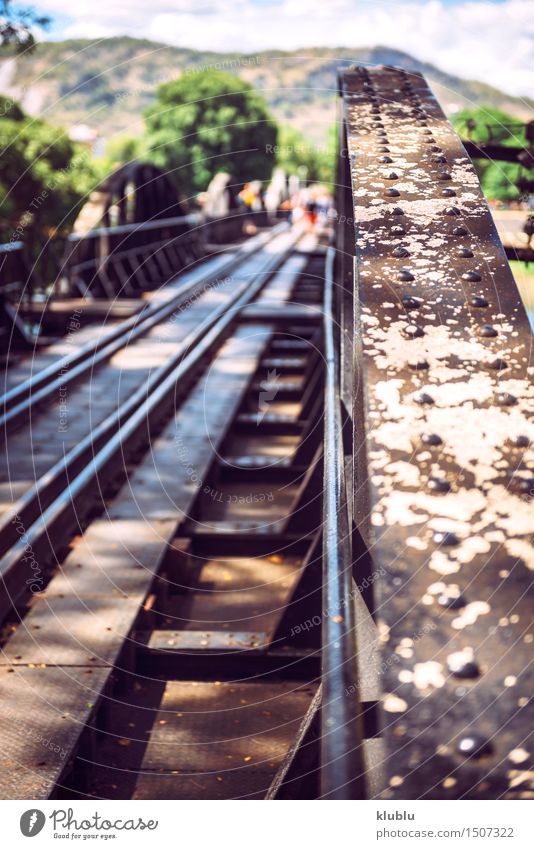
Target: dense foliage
x=44 y=177
x=210 y=121
x=498 y=179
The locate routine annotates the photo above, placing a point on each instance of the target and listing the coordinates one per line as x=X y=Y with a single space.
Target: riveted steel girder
x=443 y=354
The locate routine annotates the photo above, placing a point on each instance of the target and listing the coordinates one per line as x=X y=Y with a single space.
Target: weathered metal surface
x=198 y=748
x=444 y=357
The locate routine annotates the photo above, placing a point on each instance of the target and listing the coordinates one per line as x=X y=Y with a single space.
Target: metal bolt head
x=444 y=175
x=520 y=441
x=474 y=745
x=418 y=365
x=487 y=331
x=413 y=331
x=448 y=193
x=505 y=399
x=397 y=211
x=498 y=364
x=392 y=193
x=478 y=301
x=400 y=253
x=397 y=230
x=472 y=277
x=405 y=275
x=392 y=176
x=452 y=211
x=451 y=599
x=423 y=398
x=522 y=485
x=460 y=667
x=432 y=439
x=411 y=303
x=459 y=231
x=447 y=538
x=465 y=253
x=386 y=159
x=437 y=484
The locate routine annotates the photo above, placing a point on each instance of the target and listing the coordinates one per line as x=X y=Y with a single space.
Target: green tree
x=210 y=121
x=44 y=178
x=498 y=179
x=120 y=150
x=10 y=109
x=296 y=155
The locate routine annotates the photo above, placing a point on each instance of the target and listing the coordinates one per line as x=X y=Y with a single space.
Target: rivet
x=474 y=745
x=405 y=275
x=443 y=175
x=465 y=253
x=386 y=159
x=445 y=538
x=427 y=132
x=423 y=398
x=498 y=364
x=452 y=210
x=520 y=441
x=383 y=148
x=505 y=399
x=392 y=176
x=439 y=158
x=462 y=668
x=400 y=252
x=459 y=231
x=397 y=211
x=472 y=277
x=397 y=230
x=451 y=599
x=437 y=484
x=411 y=303
x=487 y=331
x=477 y=301
x=435 y=148
x=413 y=331
x=448 y=193
x=392 y=193
x=428 y=141
x=521 y=485
x=418 y=365
x=378 y=125
x=381 y=133
x=432 y=439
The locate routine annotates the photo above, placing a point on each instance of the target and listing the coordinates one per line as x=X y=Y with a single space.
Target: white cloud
x=478 y=39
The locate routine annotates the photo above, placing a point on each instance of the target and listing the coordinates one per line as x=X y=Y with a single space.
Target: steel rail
x=342 y=764
x=18 y=402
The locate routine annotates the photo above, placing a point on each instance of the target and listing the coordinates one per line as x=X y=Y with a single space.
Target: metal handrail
x=136 y=227
x=342 y=764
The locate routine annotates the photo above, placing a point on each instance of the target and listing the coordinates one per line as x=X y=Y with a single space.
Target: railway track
x=195 y=565
x=106 y=382
x=282 y=550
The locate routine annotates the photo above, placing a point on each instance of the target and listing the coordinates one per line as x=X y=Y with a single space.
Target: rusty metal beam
x=444 y=356
x=500 y=153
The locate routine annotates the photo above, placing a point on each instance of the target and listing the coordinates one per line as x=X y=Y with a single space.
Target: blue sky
x=489 y=40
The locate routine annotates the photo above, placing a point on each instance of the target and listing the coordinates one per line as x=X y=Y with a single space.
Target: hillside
x=107 y=84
